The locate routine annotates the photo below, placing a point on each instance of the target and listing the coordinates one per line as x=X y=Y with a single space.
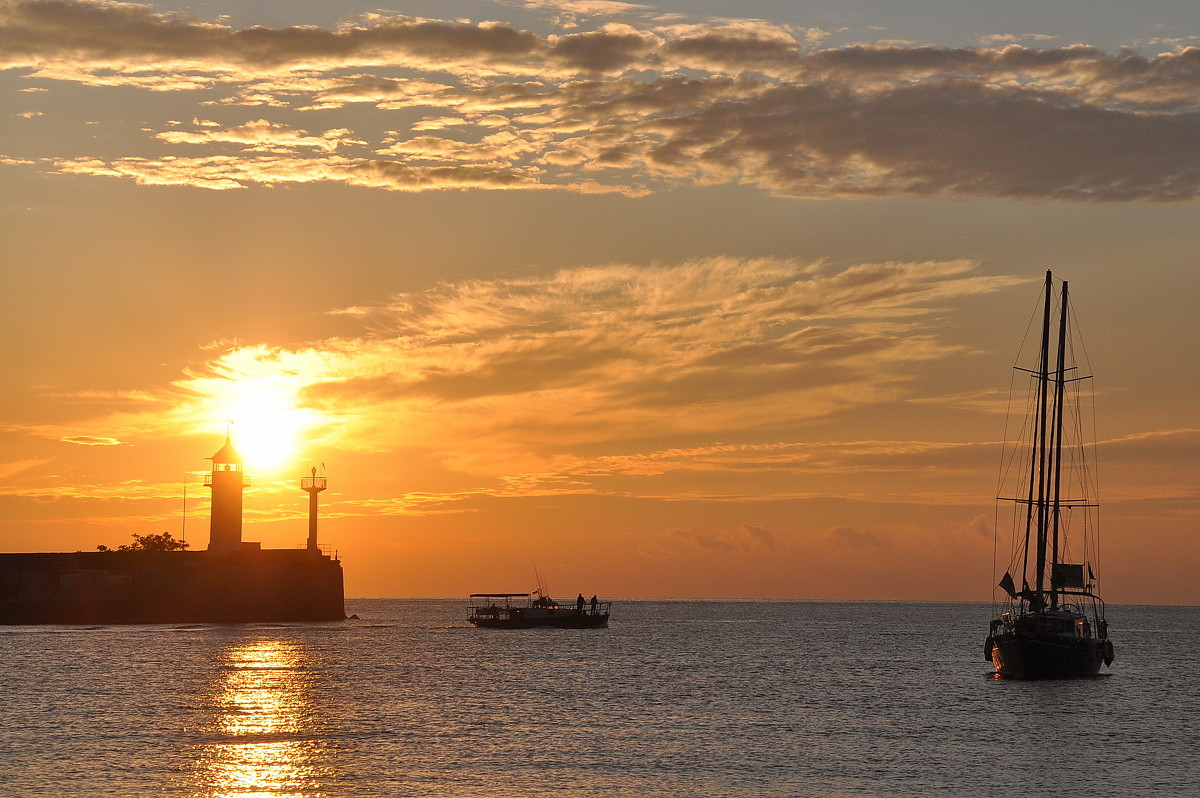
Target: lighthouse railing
x=312 y=483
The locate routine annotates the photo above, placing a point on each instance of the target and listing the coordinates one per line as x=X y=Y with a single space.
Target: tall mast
x=1040 y=471
x=1059 y=385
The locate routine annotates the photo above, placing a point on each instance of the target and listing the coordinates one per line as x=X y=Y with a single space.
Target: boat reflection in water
x=261 y=737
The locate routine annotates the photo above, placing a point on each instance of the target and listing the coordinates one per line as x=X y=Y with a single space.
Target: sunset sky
x=669 y=299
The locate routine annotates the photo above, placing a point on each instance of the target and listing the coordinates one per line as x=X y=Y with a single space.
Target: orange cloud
x=89 y=440
x=232 y=172
x=262 y=135
x=557 y=384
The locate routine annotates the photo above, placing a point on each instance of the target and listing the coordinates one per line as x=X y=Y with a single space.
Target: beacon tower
x=227 y=481
x=313 y=485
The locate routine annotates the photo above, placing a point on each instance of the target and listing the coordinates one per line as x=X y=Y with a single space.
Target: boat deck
x=527 y=610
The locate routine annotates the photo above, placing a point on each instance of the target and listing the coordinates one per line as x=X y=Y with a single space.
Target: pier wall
x=134 y=587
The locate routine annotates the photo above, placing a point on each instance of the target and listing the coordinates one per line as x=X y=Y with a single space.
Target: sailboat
x=1054 y=626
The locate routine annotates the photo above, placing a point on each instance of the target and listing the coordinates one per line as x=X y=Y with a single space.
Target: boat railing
x=1063 y=593
x=504 y=610
x=1082 y=593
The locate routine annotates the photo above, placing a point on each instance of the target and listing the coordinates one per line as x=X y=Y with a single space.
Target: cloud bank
x=635 y=106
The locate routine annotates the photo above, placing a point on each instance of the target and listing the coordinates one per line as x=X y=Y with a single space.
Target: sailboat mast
x=1059 y=386
x=1040 y=472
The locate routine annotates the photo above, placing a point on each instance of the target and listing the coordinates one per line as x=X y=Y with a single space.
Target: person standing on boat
x=579 y=604
x=594 y=603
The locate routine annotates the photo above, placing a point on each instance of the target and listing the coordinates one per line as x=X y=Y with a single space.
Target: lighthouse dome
x=227 y=454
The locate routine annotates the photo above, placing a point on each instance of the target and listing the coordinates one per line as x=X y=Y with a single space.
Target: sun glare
x=267 y=426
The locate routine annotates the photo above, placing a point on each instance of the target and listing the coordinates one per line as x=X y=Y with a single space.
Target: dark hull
x=1022 y=656
x=565 y=620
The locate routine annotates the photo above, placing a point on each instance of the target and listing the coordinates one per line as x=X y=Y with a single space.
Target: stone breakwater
x=139 y=587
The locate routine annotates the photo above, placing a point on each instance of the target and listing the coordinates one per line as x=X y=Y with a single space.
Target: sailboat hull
x=1023 y=656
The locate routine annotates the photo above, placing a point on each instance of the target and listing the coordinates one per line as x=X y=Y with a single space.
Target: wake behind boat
x=1056 y=628
x=527 y=610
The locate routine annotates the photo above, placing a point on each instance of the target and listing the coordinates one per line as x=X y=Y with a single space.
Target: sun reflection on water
x=263 y=738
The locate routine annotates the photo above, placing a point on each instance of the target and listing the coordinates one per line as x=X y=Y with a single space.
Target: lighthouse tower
x=227 y=481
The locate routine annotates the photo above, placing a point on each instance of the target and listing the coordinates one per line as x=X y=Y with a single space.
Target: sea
x=702 y=699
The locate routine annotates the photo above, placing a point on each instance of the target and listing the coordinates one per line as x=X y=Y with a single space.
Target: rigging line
x=1084 y=454
x=1008 y=456
x=1086 y=451
x=1033 y=319
x=1094 y=477
x=995 y=550
x=1021 y=476
x=1074 y=329
x=1004 y=452
x=183 y=522
x=544 y=589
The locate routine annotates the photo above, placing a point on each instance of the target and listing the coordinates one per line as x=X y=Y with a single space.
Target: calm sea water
x=679 y=698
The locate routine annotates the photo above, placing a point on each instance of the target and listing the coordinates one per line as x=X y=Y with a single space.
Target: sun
x=266 y=425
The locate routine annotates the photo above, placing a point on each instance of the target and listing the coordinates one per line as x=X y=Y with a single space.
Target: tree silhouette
x=163 y=542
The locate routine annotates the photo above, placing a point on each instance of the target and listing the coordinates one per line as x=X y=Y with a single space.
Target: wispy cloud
x=845 y=537
x=745 y=538
x=583 y=7
x=635 y=106
x=994 y=39
x=557 y=383
x=234 y=172
x=261 y=135
x=91 y=440
x=703 y=382
x=712 y=344
x=9 y=469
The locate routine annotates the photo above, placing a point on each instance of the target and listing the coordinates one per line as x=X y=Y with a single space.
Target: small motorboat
x=527 y=610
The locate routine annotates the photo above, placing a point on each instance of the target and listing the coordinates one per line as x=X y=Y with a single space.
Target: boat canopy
x=1067 y=575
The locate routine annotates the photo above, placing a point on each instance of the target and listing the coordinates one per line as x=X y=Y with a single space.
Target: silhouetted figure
x=594 y=603
x=579 y=604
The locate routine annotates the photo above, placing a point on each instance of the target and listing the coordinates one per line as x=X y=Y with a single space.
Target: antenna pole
x=183 y=524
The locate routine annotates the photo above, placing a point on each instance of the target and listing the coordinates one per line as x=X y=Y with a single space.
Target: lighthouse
x=313 y=485
x=227 y=481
